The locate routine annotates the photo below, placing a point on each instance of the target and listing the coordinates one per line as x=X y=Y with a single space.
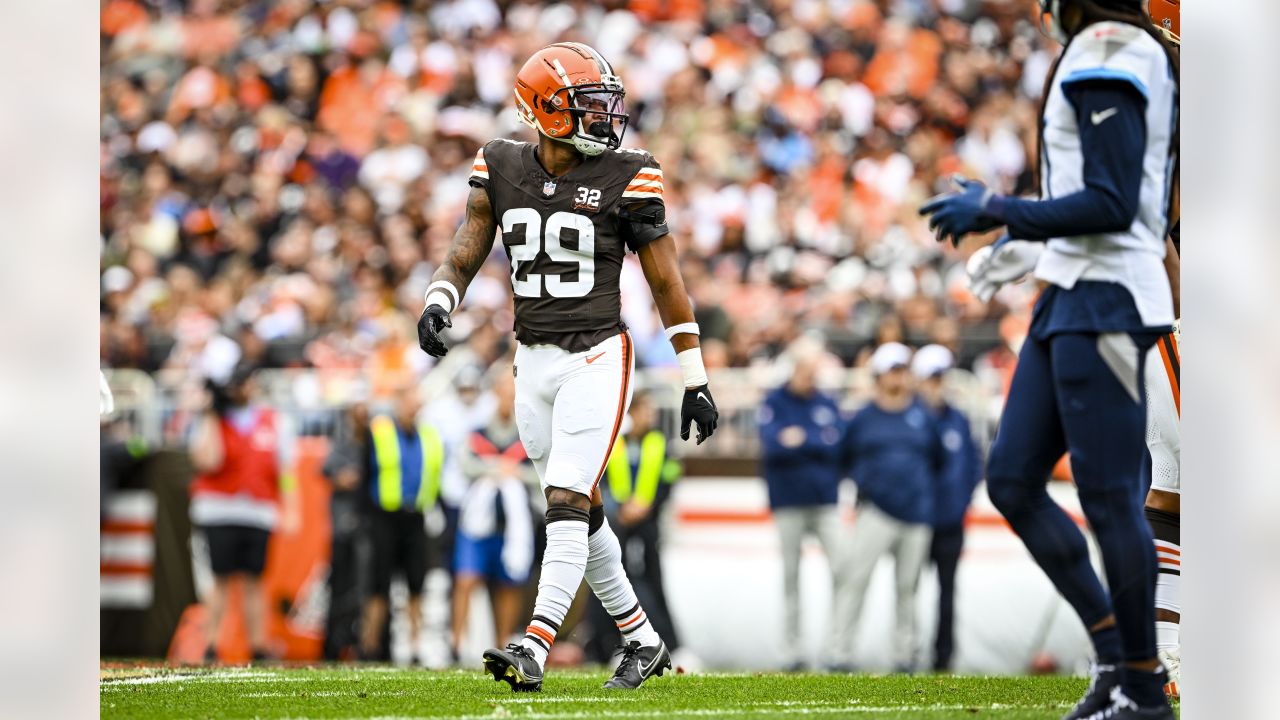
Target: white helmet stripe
x=601 y=63
x=564 y=78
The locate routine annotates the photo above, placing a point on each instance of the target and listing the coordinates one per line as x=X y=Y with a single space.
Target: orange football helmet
x=568 y=92
x=1164 y=13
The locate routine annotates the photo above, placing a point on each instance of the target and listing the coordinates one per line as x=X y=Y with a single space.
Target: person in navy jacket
x=893 y=453
x=961 y=470
x=800 y=429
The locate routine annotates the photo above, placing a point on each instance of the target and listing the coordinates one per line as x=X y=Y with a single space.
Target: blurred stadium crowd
x=279 y=178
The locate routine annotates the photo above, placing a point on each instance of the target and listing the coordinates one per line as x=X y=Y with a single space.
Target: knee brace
x=595 y=519
x=556 y=513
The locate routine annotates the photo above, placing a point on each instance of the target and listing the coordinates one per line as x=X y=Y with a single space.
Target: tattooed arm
x=471 y=245
x=661 y=268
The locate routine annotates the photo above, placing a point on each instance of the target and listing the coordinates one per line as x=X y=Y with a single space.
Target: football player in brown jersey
x=1164 y=432
x=569 y=208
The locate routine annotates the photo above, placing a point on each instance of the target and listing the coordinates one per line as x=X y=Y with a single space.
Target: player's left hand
x=699 y=408
x=1003 y=262
x=954 y=215
x=106 y=403
x=434 y=319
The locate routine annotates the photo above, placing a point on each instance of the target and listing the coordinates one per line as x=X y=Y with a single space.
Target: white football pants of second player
x=1164 y=436
x=570 y=406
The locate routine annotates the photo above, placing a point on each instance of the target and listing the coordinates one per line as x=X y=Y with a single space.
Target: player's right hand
x=698 y=408
x=434 y=319
x=956 y=214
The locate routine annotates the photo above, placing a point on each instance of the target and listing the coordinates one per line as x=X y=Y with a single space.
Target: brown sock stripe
x=630 y=611
x=635 y=626
x=633 y=622
x=554 y=626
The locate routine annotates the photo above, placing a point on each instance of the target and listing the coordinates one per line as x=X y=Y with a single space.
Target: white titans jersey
x=1134 y=257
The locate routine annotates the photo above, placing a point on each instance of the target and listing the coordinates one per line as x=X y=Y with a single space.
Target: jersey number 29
x=538 y=238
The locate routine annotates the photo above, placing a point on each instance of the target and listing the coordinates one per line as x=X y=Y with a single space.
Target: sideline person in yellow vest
x=636 y=484
x=402 y=475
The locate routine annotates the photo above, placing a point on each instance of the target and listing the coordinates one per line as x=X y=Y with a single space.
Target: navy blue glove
x=954 y=215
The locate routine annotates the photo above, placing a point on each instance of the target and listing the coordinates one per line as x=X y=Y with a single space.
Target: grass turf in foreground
x=363 y=692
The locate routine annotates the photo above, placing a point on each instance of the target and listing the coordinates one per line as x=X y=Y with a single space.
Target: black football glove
x=698 y=407
x=434 y=319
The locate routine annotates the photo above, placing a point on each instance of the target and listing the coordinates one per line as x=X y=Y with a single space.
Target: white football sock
x=608 y=580
x=1169 y=576
x=1167 y=635
x=1168 y=584
x=563 y=565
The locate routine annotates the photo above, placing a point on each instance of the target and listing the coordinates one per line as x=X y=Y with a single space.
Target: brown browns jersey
x=564 y=238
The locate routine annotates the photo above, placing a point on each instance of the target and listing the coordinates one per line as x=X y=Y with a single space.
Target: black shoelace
x=522 y=651
x=629 y=652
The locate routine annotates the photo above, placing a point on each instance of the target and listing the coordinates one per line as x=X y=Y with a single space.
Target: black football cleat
x=1102 y=680
x=516 y=666
x=1122 y=708
x=638 y=664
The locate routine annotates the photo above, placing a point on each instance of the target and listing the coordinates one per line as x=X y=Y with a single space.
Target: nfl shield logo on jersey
x=549 y=188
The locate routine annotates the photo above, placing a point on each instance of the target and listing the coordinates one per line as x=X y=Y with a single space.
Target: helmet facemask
x=601 y=118
x=582 y=105
x=1051 y=20
x=598 y=112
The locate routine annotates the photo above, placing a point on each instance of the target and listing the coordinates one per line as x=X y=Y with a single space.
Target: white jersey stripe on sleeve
x=480 y=168
x=644 y=183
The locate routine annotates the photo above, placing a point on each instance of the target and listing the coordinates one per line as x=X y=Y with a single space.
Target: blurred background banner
x=279 y=180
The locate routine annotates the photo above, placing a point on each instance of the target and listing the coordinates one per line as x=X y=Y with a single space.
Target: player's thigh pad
x=536 y=382
x=1164 y=437
x=589 y=407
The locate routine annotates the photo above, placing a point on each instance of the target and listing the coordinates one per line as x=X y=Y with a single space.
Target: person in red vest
x=237 y=449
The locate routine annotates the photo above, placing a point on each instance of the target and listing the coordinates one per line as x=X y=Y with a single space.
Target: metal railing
x=159 y=407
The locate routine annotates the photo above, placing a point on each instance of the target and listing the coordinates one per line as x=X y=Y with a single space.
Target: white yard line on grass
x=282 y=675
x=326 y=693
x=390 y=693
x=216 y=676
x=733 y=711
x=540 y=700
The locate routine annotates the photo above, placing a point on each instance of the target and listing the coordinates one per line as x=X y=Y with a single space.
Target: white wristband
x=691 y=367
x=690 y=327
x=444 y=294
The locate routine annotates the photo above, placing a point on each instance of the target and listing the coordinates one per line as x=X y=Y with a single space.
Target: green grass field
x=384 y=692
